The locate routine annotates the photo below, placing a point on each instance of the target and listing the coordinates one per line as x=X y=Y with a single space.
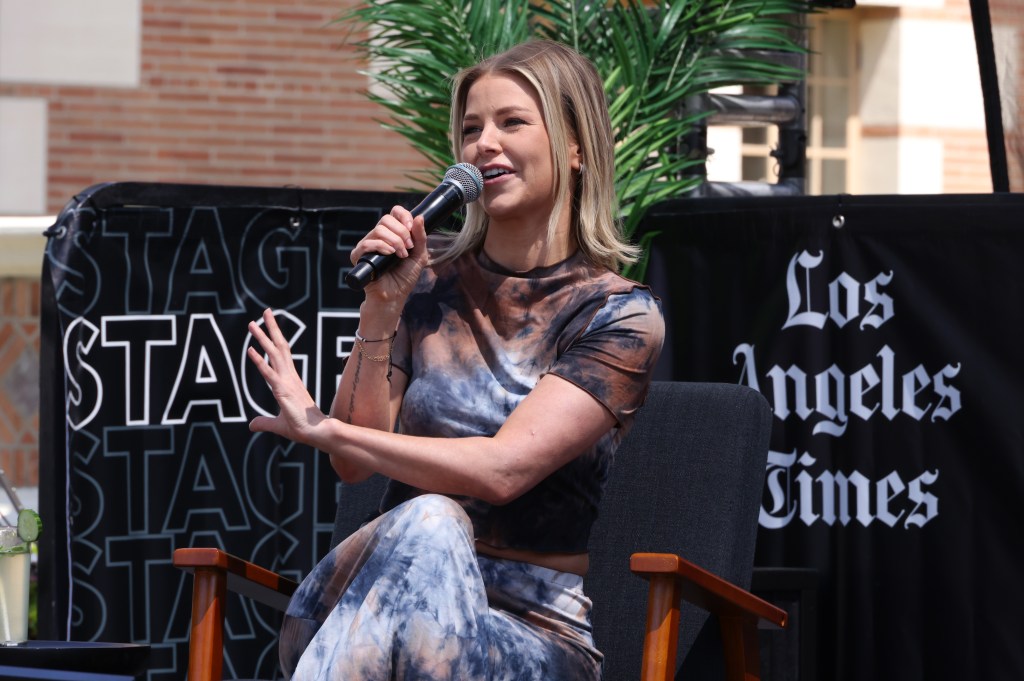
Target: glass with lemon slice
x=15 y=566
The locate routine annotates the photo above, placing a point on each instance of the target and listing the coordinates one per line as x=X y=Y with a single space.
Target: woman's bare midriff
x=576 y=563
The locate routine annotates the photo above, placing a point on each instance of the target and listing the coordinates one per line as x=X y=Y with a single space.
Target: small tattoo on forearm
x=355 y=385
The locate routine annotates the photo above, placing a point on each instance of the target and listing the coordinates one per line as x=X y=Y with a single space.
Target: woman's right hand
x=399 y=233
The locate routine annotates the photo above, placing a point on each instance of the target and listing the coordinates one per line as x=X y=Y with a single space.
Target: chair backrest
x=687 y=479
x=356 y=505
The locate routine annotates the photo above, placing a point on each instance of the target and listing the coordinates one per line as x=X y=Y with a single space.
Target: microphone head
x=467 y=176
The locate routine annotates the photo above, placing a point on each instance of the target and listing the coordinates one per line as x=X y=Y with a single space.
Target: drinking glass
x=15 y=565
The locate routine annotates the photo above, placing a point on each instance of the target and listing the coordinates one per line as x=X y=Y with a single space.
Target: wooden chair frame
x=672 y=579
x=713 y=436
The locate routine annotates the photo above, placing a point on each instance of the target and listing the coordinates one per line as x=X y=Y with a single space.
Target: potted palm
x=652 y=57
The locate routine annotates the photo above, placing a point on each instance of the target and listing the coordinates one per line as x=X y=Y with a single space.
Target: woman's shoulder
x=609 y=283
x=607 y=300
x=629 y=303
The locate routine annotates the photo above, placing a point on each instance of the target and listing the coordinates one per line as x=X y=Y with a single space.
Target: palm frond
x=652 y=59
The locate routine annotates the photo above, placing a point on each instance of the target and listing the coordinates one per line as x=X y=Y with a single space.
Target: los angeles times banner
x=885 y=333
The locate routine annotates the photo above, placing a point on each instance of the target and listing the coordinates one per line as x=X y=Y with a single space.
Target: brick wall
x=1008 y=23
x=966 y=169
x=258 y=92
x=19 y=381
x=253 y=92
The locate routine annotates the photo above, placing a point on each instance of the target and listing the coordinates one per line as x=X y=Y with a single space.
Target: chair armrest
x=248 y=579
x=704 y=589
x=215 y=573
x=672 y=578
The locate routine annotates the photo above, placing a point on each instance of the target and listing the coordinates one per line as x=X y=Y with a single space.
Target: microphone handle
x=438 y=205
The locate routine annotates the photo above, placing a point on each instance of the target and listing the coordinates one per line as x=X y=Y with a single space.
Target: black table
x=73 y=660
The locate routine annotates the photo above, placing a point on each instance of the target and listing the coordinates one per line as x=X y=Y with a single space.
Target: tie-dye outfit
x=407 y=596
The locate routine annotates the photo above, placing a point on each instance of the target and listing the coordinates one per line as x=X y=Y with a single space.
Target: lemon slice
x=29 y=525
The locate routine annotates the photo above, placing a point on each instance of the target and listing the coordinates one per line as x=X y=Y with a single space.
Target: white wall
x=71 y=42
x=917 y=74
x=88 y=43
x=901 y=165
x=23 y=148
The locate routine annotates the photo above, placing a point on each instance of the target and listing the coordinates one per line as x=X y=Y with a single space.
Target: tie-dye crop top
x=475 y=338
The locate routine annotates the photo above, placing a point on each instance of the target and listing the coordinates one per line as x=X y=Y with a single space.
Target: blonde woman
x=495 y=372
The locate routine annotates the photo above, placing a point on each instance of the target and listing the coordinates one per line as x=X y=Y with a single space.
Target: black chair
x=686 y=481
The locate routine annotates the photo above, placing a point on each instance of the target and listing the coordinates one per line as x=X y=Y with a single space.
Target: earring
x=583 y=168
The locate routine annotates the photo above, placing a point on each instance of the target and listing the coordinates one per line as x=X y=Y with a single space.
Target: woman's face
x=505 y=137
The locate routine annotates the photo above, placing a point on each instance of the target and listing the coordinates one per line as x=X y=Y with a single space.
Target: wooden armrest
x=248 y=579
x=673 y=578
x=215 y=573
x=709 y=591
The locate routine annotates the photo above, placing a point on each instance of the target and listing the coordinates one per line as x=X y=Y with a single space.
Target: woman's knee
x=430 y=505
x=434 y=514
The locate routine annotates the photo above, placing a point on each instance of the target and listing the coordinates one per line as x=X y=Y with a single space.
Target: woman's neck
x=520 y=249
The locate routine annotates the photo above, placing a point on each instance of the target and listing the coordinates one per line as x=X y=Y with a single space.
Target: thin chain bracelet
x=360 y=341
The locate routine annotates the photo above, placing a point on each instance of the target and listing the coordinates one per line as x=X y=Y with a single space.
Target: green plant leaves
x=652 y=57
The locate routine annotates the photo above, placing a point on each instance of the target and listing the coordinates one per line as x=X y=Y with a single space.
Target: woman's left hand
x=299 y=413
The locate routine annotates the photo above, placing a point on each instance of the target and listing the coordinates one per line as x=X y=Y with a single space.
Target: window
x=833 y=128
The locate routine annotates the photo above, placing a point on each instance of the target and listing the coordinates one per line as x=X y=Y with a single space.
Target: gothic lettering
x=790 y=390
x=844 y=296
x=796 y=487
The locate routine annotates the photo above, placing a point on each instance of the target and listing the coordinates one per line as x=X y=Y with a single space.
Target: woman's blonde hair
x=574 y=110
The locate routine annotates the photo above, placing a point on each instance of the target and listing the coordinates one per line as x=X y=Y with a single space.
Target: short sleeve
x=613 y=357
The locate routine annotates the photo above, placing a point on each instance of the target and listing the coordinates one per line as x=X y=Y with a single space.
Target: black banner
x=886 y=332
x=152 y=289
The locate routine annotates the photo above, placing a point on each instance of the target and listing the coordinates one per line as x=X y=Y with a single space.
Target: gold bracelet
x=379 y=340
x=375 y=358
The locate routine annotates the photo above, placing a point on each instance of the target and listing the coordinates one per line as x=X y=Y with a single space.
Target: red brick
x=242 y=70
x=151 y=24
x=183 y=154
x=86 y=136
x=275 y=68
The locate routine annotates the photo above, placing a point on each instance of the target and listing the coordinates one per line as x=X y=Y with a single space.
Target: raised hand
x=299 y=414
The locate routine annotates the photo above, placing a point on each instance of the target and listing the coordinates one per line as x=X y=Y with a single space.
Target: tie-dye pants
x=407 y=597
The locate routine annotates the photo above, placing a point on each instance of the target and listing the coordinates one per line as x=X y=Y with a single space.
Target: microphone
x=462 y=184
